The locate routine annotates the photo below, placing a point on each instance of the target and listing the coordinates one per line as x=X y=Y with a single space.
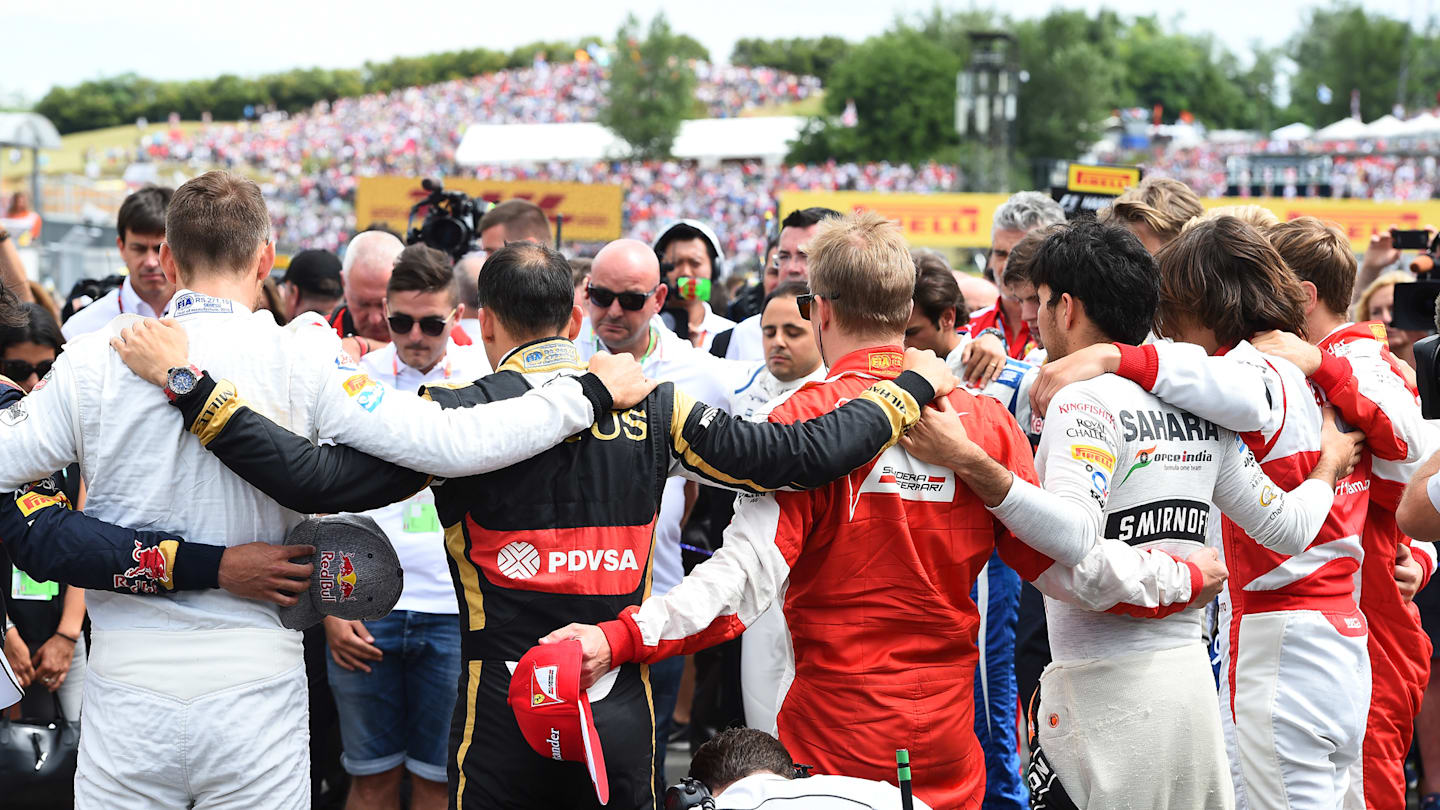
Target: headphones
x=691 y=792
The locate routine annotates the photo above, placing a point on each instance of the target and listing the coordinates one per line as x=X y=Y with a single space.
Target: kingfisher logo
x=337 y=576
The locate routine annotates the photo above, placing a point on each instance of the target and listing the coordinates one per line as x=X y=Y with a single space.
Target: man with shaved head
x=364 y=273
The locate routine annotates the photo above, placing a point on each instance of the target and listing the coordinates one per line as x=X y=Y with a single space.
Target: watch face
x=182 y=380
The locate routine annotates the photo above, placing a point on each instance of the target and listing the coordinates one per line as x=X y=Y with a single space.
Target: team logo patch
x=15 y=414
x=32 y=502
x=337 y=576
x=542 y=686
x=1267 y=496
x=518 y=560
x=548 y=355
x=1093 y=455
x=1378 y=330
x=194 y=303
x=886 y=361
x=366 y=392
x=44 y=381
x=1142 y=460
x=356 y=384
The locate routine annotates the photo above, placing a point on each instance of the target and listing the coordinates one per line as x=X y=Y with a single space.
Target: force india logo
x=520 y=560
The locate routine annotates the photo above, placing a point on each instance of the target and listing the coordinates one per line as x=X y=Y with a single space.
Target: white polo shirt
x=412 y=524
x=118 y=301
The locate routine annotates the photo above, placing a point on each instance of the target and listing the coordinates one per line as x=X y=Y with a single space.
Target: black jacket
x=566 y=536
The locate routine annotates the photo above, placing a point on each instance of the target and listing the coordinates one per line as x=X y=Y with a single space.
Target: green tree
x=1072 y=82
x=650 y=87
x=903 y=87
x=1346 y=48
x=800 y=55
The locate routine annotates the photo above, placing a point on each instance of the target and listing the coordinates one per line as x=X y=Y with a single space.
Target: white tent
x=1342 y=130
x=1422 y=124
x=706 y=140
x=1386 y=126
x=1297 y=131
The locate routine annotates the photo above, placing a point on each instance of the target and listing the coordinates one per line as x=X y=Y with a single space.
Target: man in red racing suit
x=880 y=563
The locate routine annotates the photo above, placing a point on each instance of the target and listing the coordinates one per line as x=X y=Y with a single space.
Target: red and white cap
x=553 y=712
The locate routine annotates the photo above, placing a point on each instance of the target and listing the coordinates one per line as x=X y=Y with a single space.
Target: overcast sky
x=48 y=43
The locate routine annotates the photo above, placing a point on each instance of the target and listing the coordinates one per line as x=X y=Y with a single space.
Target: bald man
x=364 y=274
x=623 y=297
x=977 y=292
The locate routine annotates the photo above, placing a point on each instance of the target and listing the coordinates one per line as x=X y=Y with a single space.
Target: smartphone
x=1409 y=240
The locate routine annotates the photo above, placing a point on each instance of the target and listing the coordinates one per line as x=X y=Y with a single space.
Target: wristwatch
x=990 y=330
x=180 y=381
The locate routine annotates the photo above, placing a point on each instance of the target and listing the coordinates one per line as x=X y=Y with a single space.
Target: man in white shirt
x=200 y=700
x=749 y=769
x=146 y=291
x=743 y=342
x=414 y=651
x=792 y=359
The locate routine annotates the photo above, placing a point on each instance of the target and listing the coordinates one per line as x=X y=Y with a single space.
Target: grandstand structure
x=538 y=123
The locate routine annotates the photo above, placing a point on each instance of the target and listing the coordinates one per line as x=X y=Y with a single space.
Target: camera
x=450 y=224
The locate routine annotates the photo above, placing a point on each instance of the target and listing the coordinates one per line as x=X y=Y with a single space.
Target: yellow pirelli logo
x=1093 y=455
x=1101 y=179
x=32 y=502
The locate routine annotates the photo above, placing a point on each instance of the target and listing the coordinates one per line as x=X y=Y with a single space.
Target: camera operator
x=1379 y=254
x=745 y=768
x=692 y=251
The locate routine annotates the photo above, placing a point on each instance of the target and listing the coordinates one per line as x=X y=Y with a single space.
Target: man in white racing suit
x=199 y=700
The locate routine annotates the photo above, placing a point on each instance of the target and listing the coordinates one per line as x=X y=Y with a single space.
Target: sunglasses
x=632 y=301
x=802 y=302
x=431 y=325
x=19 y=370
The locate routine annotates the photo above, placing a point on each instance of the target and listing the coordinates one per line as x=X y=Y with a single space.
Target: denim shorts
x=400 y=711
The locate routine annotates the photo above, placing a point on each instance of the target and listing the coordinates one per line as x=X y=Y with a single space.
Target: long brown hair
x=1224 y=275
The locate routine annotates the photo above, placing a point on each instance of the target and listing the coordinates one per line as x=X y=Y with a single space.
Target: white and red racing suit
x=1363 y=380
x=1297 y=672
x=880 y=565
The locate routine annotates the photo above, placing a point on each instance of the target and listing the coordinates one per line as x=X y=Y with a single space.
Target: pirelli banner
x=931 y=220
x=592 y=212
x=963 y=220
x=1359 y=219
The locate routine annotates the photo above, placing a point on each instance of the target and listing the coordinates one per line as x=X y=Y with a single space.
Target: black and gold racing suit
x=566 y=536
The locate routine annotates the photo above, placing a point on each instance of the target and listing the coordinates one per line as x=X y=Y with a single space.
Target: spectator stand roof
x=28 y=131
x=707 y=141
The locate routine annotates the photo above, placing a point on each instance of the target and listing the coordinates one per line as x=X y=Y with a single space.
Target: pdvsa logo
x=518 y=560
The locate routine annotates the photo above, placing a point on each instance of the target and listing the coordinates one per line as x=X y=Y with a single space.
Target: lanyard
x=395 y=367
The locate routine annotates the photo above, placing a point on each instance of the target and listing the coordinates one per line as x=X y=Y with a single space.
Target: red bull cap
x=357 y=575
x=553 y=712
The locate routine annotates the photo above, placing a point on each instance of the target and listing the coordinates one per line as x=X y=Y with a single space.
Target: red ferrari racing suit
x=880 y=565
x=1362 y=379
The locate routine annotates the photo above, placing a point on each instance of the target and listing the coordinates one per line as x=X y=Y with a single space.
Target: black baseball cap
x=357 y=575
x=316 y=272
